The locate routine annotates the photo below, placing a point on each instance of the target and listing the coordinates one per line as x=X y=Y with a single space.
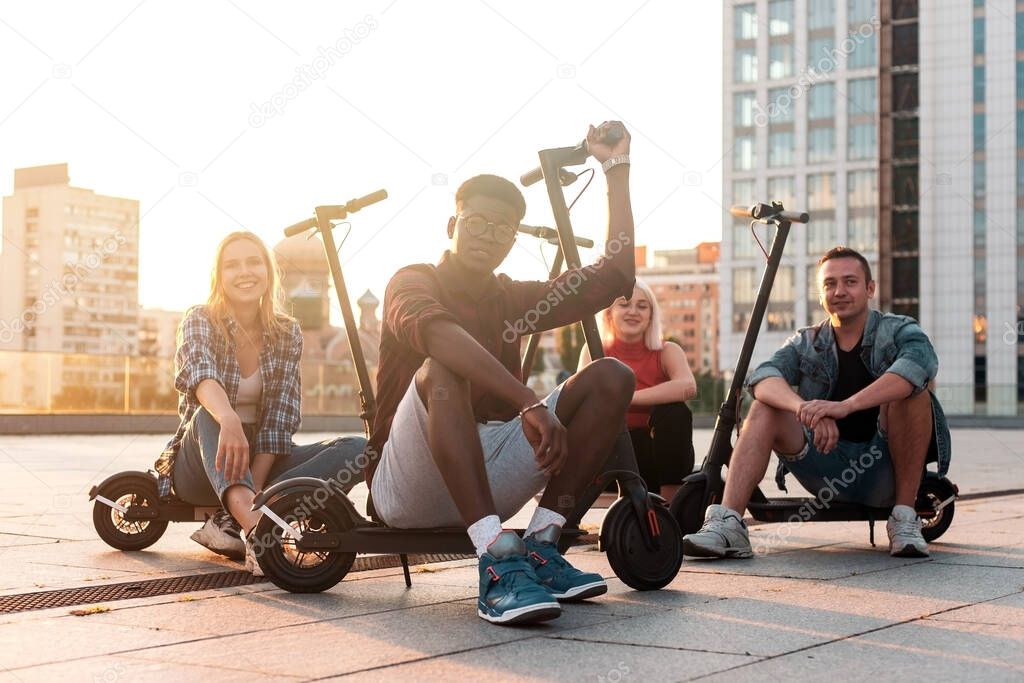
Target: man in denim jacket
x=860 y=424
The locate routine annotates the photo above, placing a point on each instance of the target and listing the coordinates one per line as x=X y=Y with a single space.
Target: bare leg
x=592 y=406
x=454 y=440
x=765 y=429
x=238 y=501
x=911 y=433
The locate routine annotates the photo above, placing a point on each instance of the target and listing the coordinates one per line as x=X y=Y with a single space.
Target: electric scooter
x=935 y=498
x=310 y=532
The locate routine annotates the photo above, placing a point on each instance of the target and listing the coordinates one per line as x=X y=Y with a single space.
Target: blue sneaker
x=556 y=574
x=509 y=589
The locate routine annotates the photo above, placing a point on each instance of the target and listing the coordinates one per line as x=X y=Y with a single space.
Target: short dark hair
x=846 y=252
x=495 y=187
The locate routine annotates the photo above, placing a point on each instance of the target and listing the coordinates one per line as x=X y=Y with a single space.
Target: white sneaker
x=221 y=535
x=904 y=529
x=252 y=565
x=724 y=534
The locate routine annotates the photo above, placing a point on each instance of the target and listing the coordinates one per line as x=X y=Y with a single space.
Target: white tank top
x=248 y=398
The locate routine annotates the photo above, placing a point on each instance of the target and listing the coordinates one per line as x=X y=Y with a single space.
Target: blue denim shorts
x=853 y=472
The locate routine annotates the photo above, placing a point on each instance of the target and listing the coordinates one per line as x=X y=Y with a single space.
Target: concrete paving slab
x=545 y=659
x=1007 y=611
x=358 y=643
x=274 y=609
x=110 y=669
x=966 y=583
x=824 y=563
x=33 y=643
x=923 y=650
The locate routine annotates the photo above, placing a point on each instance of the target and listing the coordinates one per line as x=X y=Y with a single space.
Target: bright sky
x=156 y=100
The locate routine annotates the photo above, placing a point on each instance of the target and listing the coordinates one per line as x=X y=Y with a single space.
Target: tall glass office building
x=897 y=125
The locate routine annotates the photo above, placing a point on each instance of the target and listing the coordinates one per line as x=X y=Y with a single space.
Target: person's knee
x=434 y=381
x=613 y=378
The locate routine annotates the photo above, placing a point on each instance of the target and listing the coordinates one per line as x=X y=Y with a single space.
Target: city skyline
x=320 y=104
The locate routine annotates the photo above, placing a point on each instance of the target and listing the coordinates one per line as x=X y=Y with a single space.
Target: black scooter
x=310 y=532
x=935 y=498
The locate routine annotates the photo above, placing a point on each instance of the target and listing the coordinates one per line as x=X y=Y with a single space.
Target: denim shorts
x=854 y=472
x=408 y=490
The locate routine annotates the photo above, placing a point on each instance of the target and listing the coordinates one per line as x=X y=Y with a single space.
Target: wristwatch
x=614 y=161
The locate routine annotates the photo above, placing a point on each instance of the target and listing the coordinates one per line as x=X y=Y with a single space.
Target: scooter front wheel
x=283 y=562
x=622 y=538
x=128 y=493
x=934 y=492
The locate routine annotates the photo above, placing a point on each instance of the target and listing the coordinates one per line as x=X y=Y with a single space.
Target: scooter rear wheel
x=283 y=563
x=128 y=534
x=687 y=506
x=933 y=491
x=638 y=566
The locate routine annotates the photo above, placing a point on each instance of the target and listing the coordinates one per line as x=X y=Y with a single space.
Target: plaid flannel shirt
x=202 y=354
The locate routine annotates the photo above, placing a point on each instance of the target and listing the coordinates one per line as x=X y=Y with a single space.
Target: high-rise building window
x=744 y=156
x=979 y=179
x=979 y=35
x=821 y=145
x=861 y=11
x=821 y=14
x=745 y=18
x=743 y=112
x=743 y=192
x=821 y=235
x=779 y=316
x=862 y=96
x=979 y=132
x=744 y=290
x=815 y=313
x=861 y=189
x=781 y=106
x=782 y=189
x=821 y=103
x=742 y=241
x=864 y=51
x=821 y=54
x=780 y=149
x=862 y=142
x=979 y=82
x=745 y=66
x=821 y=191
x=780 y=17
x=780 y=60
x=862 y=233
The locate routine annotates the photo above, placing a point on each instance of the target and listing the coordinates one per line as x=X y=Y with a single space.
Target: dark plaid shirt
x=496 y=312
x=202 y=354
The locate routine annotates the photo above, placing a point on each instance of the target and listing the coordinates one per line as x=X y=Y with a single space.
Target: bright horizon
x=161 y=102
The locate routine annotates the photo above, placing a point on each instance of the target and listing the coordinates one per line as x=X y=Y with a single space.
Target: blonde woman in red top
x=660 y=424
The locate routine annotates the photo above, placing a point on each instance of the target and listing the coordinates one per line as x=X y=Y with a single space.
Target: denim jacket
x=891 y=343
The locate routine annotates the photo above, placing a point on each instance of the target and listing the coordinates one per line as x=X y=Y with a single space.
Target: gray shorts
x=408 y=491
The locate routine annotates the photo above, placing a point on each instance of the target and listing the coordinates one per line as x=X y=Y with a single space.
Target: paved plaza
x=822 y=603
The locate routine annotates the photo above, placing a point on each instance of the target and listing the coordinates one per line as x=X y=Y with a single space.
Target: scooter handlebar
x=551 y=235
x=355 y=204
x=300 y=227
x=760 y=212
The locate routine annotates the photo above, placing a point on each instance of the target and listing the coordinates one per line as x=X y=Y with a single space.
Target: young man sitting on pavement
x=862 y=407
x=462 y=441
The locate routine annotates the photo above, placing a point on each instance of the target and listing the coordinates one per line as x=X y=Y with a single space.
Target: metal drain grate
x=123 y=591
x=68 y=597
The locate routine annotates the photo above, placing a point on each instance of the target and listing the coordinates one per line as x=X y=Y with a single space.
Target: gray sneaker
x=221 y=535
x=724 y=534
x=252 y=565
x=904 y=528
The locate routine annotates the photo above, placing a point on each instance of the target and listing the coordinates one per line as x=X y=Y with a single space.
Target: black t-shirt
x=853 y=376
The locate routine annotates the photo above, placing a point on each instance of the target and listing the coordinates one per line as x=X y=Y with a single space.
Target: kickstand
x=405 y=570
x=871 y=532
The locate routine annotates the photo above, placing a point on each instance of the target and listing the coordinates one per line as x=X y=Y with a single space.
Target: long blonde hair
x=652 y=337
x=272 y=312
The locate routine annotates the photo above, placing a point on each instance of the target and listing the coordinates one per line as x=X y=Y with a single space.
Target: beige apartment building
x=68 y=284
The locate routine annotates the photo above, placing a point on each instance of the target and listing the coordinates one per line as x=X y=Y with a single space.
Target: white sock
x=542 y=517
x=483 y=532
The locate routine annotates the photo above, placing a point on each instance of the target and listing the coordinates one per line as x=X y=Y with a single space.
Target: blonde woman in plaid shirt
x=237 y=376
